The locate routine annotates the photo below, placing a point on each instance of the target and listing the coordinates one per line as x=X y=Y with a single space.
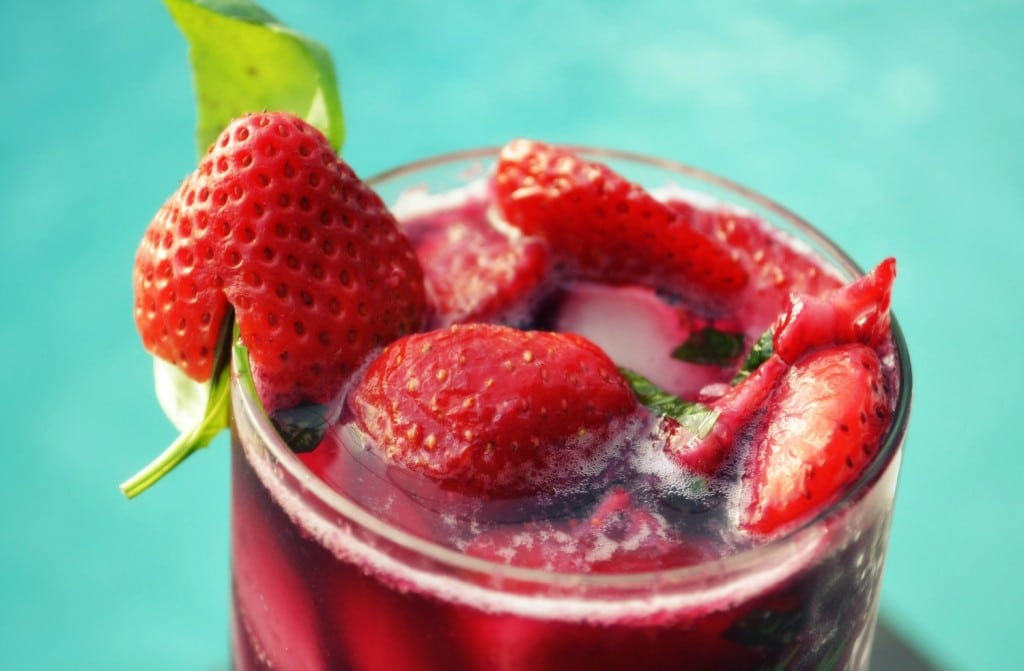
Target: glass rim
x=745 y=559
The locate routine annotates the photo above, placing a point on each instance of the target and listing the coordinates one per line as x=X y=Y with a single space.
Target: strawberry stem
x=214 y=420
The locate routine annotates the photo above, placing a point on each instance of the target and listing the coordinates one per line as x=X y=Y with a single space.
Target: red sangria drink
x=538 y=408
x=529 y=408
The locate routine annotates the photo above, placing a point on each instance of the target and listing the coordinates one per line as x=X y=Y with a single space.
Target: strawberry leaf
x=245 y=60
x=710 y=346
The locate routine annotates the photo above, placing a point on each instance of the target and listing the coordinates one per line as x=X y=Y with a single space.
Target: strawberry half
x=602 y=227
x=275 y=226
x=491 y=410
x=822 y=428
x=777 y=268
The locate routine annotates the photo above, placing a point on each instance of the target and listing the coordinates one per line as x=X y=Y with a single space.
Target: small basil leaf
x=759 y=353
x=181 y=398
x=697 y=417
x=710 y=346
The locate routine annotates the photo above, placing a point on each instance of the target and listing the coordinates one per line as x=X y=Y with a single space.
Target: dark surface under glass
x=892 y=652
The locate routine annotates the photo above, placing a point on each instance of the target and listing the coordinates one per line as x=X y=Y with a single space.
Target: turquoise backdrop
x=898 y=128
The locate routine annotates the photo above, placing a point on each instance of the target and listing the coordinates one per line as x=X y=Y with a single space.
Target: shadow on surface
x=892 y=652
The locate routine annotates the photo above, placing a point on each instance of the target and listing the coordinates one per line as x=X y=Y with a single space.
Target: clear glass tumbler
x=321 y=581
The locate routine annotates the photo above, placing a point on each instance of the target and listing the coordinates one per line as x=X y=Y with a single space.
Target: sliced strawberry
x=735 y=409
x=602 y=227
x=492 y=410
x=274 y=226
x=855 y=313
x=550 y=546
x=617 y=537
x=822 y=428
x=623 y=538
x=473 y=270
x=777 y=268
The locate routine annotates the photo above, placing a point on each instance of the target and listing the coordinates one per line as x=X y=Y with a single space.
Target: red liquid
x=319 y=584
x=300 y=605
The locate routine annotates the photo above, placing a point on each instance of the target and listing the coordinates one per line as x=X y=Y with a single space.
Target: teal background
x=895 y=127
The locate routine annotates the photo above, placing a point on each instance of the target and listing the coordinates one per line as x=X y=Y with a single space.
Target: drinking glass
x=321 y=580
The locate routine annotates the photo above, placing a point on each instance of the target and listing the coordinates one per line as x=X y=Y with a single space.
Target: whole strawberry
x=602 y=227
x=276 y=228
x=491 y=410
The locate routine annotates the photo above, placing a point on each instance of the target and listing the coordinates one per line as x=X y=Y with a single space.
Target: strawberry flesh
x=736 y=408
x=776 y=268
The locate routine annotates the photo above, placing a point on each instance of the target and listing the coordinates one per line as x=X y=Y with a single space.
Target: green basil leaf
x=710 y=346
x=245 y=60
x=213 y=419
x=759 y=353
x=181 y=398
x=697 y=417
